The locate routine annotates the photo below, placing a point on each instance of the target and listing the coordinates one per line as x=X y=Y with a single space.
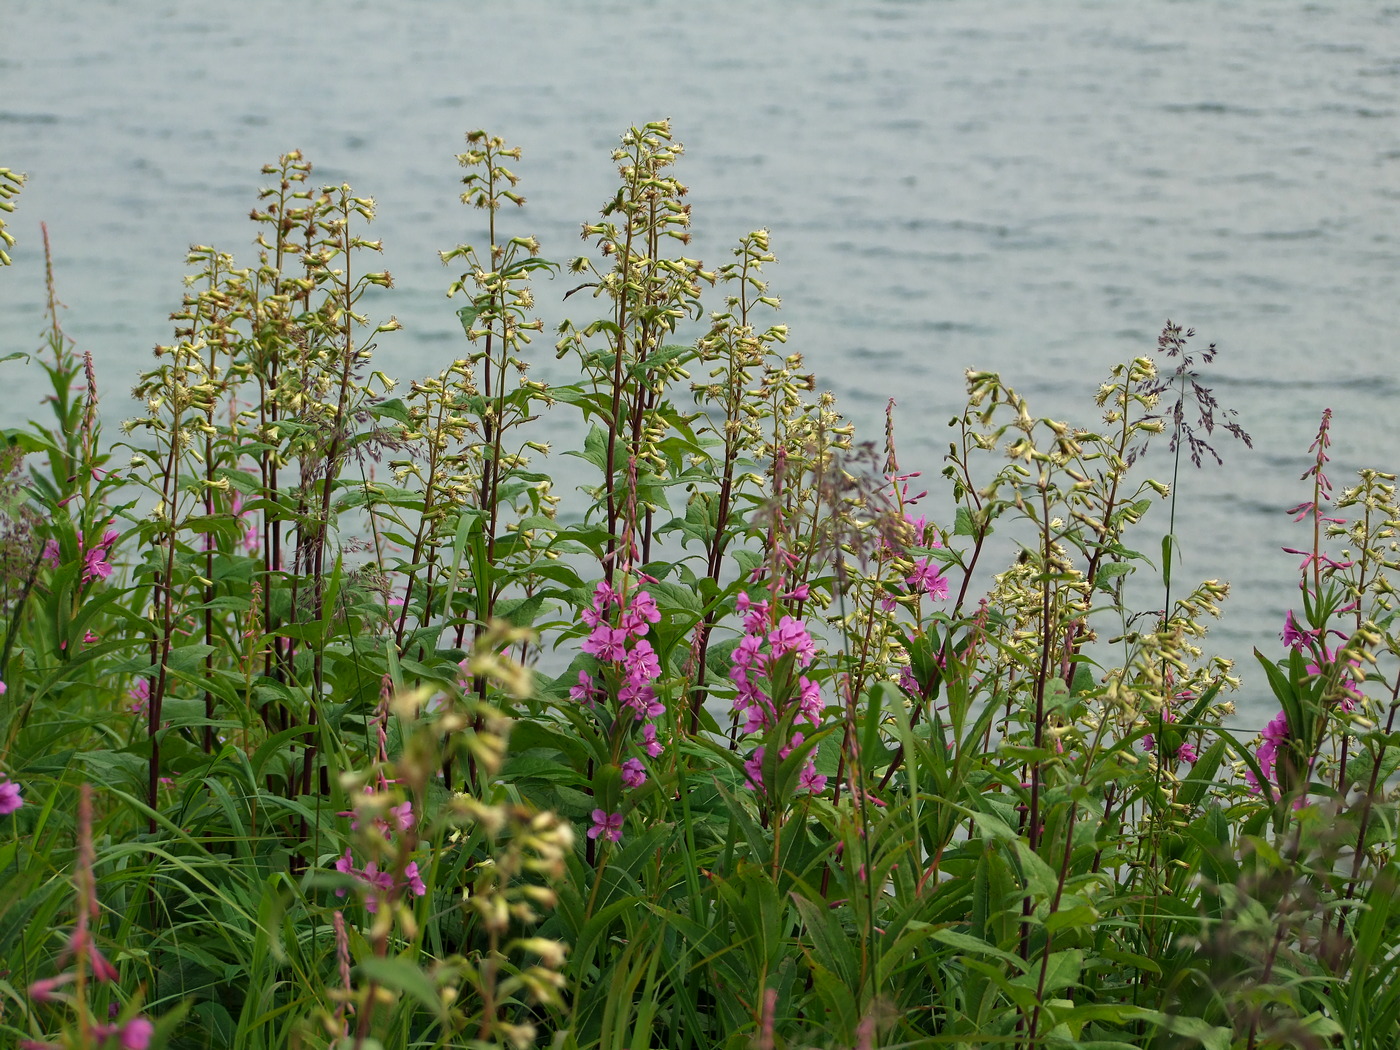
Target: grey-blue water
x=1006 y=184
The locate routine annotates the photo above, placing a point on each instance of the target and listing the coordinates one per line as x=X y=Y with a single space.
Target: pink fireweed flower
x=140 y=696
x=1294 y=636
x=811 y=780
x=642 y=700
x=586 y=692
x=605 y=824
x=608 y=644
x=927 y=579
x=640 y=611
x=642 y=663
x=414 y=880
x=402 y=815
x=633 y=775
x=95 y=565
x=790 y=636
x=755 y=614
x=346 y=866
x=136 y=1034
x=1275 y=734
x=649 y=742
x=10 y=798
x=753 y=768
x=809 y=699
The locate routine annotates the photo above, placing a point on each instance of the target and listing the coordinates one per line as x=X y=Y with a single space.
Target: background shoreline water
x=949 y=185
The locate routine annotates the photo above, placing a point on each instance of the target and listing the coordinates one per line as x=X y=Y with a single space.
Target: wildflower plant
x=773 y=741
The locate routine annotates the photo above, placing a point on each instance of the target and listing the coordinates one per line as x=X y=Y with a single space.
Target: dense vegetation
x=327 y=723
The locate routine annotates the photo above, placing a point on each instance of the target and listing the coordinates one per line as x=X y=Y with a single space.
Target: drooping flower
x=1293 y=636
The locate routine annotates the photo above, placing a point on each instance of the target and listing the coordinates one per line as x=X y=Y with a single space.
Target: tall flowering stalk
x=773 y=694
x=131 y=1030
x=621 y=688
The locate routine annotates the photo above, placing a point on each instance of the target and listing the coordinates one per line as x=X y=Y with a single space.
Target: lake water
x=995 y=184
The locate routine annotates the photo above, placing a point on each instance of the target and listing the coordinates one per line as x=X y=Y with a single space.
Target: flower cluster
x=94 y=558
x=380 y=885
x=1184 y=751
x=766 y=672
x=628 y=668
x=387 y=829
x=133 y=1033
x=626 y=648
x=1323 y=658
x=1275 y=736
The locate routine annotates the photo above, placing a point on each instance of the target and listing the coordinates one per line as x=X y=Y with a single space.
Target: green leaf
x=403 y=976
x=1079 y=917
x=392 y=408
x=967 y=943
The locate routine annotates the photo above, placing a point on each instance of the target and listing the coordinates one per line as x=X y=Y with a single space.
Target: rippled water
x=1028 y=187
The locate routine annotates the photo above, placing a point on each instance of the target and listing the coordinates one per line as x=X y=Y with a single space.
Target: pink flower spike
x=414 y=879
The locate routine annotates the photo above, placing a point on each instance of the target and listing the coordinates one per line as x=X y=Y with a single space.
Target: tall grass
x=323 y=727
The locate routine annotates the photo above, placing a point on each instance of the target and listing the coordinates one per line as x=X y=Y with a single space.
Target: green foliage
x=368 y=747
